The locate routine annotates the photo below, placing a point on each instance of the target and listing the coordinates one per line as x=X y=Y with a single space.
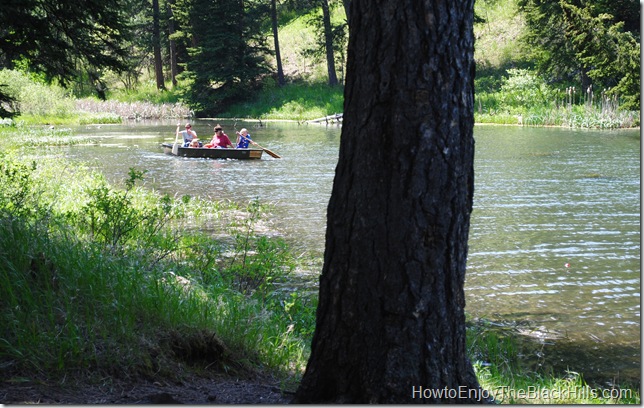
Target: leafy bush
x=17 y=197
x=112 y=218
x=33 y=97
x=523 y=88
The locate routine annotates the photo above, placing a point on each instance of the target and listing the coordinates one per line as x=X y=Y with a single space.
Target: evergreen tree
x=227 y=56
x=328 y=43
x=62 y=37
x=331 y=39
x=156 y=44
x=611 y=55
x=278 y=56
x=586 y=41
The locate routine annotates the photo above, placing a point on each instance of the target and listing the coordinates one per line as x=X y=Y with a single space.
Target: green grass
x=118 y=281
x=301 y=101
x=552 y=113
x=145 y=91
x=76 y=118
x=497 y=360
x=537 y=389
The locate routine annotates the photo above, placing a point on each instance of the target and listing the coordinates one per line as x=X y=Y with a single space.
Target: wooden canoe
x=206 y=153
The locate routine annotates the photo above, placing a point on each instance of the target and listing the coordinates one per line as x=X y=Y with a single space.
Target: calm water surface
x=555 y=235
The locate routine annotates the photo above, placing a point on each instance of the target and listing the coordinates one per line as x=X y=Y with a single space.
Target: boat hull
x=206 y=153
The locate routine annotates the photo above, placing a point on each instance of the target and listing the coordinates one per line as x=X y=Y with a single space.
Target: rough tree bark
x=390 y=321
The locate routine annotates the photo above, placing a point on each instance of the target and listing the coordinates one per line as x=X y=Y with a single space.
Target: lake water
x=555 y=233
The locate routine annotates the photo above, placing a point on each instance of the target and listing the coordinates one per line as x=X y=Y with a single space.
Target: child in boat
x=243 y=139
x=219 y=139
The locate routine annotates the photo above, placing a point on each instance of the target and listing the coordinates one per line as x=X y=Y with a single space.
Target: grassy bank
x=301 y=102
x=523 y=100
x=40 y=104
x=500 y=358
x=115 y=281
x=118 y=281
x=518 y=97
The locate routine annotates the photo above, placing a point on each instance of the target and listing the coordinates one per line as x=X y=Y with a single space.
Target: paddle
x=270 y=152
x=175 y=146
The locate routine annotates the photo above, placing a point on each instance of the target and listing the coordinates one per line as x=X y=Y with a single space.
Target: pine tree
x=227 y=57
x=61 y=37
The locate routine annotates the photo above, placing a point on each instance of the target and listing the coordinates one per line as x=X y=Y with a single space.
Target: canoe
x=204 y=152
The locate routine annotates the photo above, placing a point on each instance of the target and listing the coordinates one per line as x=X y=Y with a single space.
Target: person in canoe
x=243 y=139
x=219 y=139
x=190 y=138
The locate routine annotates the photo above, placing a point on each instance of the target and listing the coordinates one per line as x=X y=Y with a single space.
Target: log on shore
x=337 y=117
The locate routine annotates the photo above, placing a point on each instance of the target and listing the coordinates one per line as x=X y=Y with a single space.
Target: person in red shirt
x=219 y=139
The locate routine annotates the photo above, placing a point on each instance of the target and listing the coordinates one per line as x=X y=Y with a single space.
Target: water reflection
x=555 y=235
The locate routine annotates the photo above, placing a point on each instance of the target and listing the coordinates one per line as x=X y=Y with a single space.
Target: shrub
x=33 y=97
x=524 y=88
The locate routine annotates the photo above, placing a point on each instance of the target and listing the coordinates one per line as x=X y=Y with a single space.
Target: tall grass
x=110 y=281
x=497 y=359
x=133 y=109
x=144 y=91
x=525 y=99
x=38 y=103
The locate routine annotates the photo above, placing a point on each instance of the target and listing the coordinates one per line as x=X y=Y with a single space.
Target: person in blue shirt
x=243 y=139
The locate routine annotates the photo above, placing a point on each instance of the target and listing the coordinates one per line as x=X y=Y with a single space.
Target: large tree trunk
x=347 y=4
x=278 y=57
x=328 y=43
x=156 y=39
x=174 y=65
x=390 y=321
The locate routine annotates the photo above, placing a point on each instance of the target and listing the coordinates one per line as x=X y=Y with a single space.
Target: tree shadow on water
x=525 y=346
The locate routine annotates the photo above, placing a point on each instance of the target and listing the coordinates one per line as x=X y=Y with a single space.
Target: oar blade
x=272 y=153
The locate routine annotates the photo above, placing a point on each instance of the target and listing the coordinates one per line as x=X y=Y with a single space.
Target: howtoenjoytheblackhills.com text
x=531 y=393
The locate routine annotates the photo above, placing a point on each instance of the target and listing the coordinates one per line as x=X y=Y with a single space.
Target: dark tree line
x=65 y=39
x=218 y=47
x=588 y=42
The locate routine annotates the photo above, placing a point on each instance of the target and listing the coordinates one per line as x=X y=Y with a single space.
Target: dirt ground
x=216 y=390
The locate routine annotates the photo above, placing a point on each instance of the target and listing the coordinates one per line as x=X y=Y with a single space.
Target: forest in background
x=216 y=57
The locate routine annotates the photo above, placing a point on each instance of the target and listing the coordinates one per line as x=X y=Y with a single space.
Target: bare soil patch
x=194 y=390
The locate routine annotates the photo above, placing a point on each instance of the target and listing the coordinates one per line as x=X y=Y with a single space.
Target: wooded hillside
x=216 y=53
